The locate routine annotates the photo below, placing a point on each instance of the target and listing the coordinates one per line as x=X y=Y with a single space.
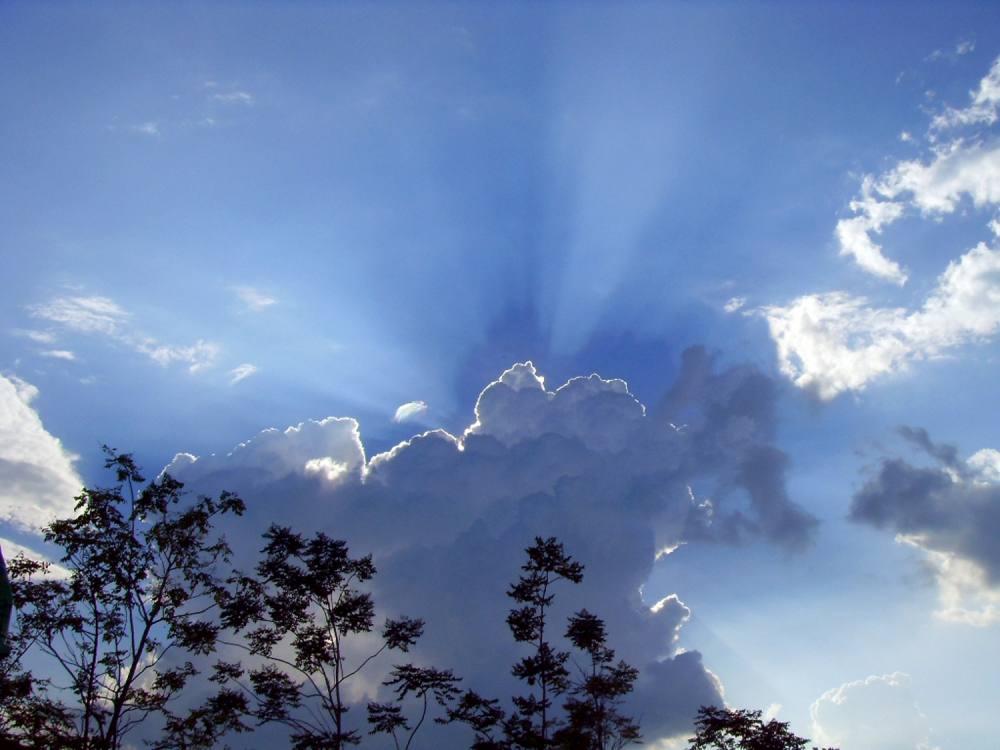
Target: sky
x=710 y=291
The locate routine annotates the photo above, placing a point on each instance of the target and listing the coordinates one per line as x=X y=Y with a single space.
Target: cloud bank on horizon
x=447 y=516
x=835 y=342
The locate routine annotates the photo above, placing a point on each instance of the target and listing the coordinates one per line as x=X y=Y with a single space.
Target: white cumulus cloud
x=835 y=342
x=876 y=713
x=37 y=478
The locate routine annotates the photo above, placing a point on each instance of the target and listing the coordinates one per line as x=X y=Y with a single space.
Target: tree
x=593 y=720
x=298 y=615
x=547 y=564
x=141 y=584
x=590 y=720
x=740 y=729
x=420 y=682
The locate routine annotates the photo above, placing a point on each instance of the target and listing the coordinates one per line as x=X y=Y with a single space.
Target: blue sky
x=220 y=218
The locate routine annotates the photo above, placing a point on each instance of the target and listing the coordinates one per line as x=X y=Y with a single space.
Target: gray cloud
x=447 y=517
x=951 y=511
x=946 y=510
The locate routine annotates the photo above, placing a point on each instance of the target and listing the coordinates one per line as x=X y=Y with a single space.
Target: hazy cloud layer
x=37 y=479
x=836 y=341
x=447 y=517
x=877 y=713
x=951 y=511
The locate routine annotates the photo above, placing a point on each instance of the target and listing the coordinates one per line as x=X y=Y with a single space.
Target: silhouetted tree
x=740 y=729
x=420 y=682
x=593 y=721
x=590 y=719
x=141 y=583
x=298 y=615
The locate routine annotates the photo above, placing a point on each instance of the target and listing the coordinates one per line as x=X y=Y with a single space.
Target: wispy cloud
x=254 y=299
x=59 y=354
x=102 y=316
x=982 y=108
x=149 y=128
x=235 y=97
x=965 y=47
x=39 y=337
x=85 y=314
x=241 y=372
x=734 y=304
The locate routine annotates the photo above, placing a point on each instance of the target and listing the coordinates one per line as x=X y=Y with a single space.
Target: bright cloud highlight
x=37 y=478
x=410 y=411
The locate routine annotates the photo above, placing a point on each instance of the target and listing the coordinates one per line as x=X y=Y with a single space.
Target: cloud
x=39 y=337
x=84 y=314
x=12 y=549
x=936 y=187
x=854 y=234
x=965 y=47
x=878 y=713
x=410 y=411
x=734 y=304
x=197 y=356
x=37 y=478
x=983 y=107
x=254 y=300
x=102 y=316
x=241 y=372
x=447 y=516
x=951 y=512
x=235 y=97
x=152 y=129
x=835 y=342
x=59 y=354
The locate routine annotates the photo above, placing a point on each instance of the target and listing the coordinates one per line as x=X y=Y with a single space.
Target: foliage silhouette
x=590 y=718
x=297 y=616
x=141 y=583
x=740 y=729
